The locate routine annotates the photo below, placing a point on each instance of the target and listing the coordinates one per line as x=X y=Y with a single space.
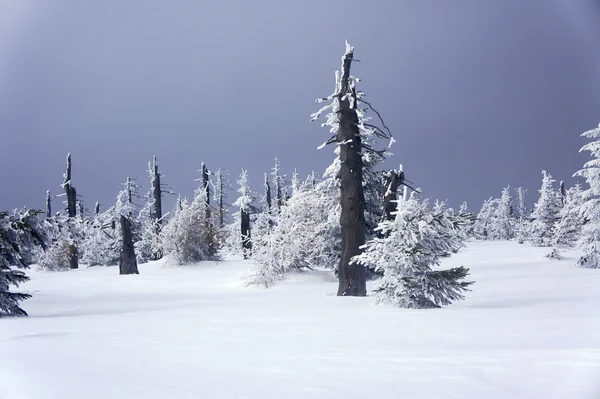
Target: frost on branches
x=590 y=239
x=306 y=235
x=416 y=241
x=20 y=235
x=545 y=214
x=186 y=238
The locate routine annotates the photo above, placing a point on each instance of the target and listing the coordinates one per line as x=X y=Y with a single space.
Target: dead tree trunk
x=393 y=180
x=48 y=204
x=72 y=211
x=80 y=209
x=127 y=261
x=156 y=192
x=221 y=200
x=267 y=193
x=245 y=230
x=352 y=276
x=97 y=209
x=563 y=193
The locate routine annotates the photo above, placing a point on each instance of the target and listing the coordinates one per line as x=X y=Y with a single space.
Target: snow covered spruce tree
x=351 y=131
x=411 y=244
x=504 y=223
x=21 y=234
x=568 y=228
x=483 y=227
x=242 y=218
x=545 y=214
x=590 y=239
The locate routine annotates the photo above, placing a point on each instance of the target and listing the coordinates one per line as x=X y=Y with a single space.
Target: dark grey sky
x=479 y=94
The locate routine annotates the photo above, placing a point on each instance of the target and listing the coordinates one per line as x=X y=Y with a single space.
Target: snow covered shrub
x=188 y=237
x=411 y=244
x=305 y=235
x=62 y=235
x=100 y=246
x=55 y=258
x=554 y=254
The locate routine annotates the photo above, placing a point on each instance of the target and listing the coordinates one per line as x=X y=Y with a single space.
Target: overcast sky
x=479 y=94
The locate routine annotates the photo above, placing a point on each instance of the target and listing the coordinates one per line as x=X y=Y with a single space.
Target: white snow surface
x=529 y=329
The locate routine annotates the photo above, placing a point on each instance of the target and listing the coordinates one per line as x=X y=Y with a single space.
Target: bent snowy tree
x=351 y=131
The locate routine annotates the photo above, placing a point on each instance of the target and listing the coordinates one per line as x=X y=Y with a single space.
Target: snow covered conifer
x=545 y=214
x=20 y=234
x=482 y=229
x=411 y=244
x=590 y=239
x=245 y=204
x=504 y=223
x=568 y=228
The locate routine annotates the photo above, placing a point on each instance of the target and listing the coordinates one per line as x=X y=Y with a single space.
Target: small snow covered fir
x=545 y=213
x=413 y=244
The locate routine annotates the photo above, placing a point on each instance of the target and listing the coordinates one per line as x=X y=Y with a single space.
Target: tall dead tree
x=127 y=260
x=48 y=204
x=268 y=193
x=71 y=194
x=563 y=193
x=156 y=191
x=221 y=194
x=206 y=186
x=278 y=183
x=350 y=126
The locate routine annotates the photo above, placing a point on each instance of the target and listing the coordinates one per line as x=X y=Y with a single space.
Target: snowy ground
x=529 y=329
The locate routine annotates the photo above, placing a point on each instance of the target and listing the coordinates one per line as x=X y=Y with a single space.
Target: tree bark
x=352 y=276
x=127 y=262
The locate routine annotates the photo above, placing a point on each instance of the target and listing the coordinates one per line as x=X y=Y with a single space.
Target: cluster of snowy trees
x=561 y=218
x=357 y=220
